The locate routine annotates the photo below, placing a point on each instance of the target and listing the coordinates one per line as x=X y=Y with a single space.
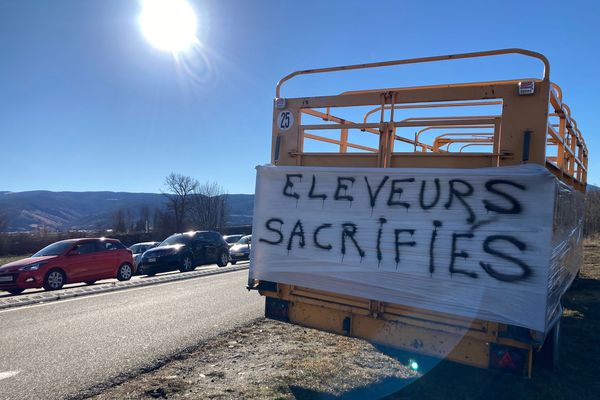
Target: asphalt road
x=59 y=349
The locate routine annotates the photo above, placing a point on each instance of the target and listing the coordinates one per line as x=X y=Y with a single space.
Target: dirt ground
x=272 y=360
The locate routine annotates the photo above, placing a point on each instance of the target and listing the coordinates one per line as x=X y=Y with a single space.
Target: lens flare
x=413 y=365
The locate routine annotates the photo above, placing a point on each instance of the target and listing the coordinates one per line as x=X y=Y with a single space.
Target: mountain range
x=60 y=211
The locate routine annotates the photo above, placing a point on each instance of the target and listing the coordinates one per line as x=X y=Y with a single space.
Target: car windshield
x=232 y=238
x=176 y=239
x=53 y=250
x=245 y=240
x=139 y=248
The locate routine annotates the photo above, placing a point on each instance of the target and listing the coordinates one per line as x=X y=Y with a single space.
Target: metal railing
x=472 y=132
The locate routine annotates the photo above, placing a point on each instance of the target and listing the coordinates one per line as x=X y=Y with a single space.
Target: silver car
x=241 y=250
x=232 y=239
x=139 y=248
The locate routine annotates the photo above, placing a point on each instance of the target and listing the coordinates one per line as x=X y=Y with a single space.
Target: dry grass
x=575 y=378
x=267 y=360
x=7 y=259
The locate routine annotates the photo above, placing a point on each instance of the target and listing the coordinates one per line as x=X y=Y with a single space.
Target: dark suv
x=185 y=251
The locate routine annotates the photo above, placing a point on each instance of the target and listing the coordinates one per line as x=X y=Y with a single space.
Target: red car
x=68 y=261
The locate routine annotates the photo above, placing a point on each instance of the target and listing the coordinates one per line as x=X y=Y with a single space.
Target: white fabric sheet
x=479 y=247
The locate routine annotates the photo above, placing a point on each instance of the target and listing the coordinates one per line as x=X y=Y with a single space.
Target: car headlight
x=32 y=267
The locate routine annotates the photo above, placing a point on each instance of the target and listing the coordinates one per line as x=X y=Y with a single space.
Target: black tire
x=15 y=291
x=233 y=262
x=125 y=272
x=54 y=279
x=90 y=282
x=223 y=259
x=186 y=264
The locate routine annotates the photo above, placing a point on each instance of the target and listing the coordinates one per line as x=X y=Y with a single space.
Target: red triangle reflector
x=507 y=362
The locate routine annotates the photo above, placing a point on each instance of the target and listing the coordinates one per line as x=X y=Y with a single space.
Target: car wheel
x=90 y=282
x=124 y=273
x=54 y=280
x=186 y=264
x=223 y=259
x=15 y=291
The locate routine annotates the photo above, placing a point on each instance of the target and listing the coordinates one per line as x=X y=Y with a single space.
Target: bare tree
x=129 y=220
x=118 y=219
x=4 y=241
x=3 y=221
x=180 y=190
x=143 y=223
x=163 y=223
x=156 y=220
x=210 y=210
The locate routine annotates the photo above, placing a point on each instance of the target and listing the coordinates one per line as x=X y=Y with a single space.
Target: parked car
x=232 y=239
x=185 y=251
x=69 y=261
x=241 y=250
x=139 y=248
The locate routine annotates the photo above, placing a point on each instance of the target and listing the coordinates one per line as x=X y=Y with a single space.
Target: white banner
x=470 y=242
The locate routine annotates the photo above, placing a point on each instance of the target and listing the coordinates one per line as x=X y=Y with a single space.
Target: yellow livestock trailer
x=444 y=220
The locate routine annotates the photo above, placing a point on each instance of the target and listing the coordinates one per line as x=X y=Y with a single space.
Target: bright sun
x=169 y=25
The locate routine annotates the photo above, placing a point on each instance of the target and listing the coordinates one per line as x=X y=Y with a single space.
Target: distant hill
x=92 y=210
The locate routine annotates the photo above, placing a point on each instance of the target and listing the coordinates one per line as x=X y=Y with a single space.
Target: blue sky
x=87 y=104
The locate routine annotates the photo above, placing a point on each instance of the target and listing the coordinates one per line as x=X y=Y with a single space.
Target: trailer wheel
x=547 y=357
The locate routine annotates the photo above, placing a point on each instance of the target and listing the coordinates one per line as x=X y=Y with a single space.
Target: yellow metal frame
x=416 y=330
x=520 y=134
x=570 y=164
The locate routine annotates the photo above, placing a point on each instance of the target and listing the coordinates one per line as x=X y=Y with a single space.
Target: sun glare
x=169 y=25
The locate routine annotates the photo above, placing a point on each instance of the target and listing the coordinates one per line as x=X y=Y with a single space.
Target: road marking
x=89 y=296
x=8 y=374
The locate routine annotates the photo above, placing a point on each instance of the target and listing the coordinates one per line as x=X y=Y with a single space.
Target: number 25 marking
x=286 y=120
